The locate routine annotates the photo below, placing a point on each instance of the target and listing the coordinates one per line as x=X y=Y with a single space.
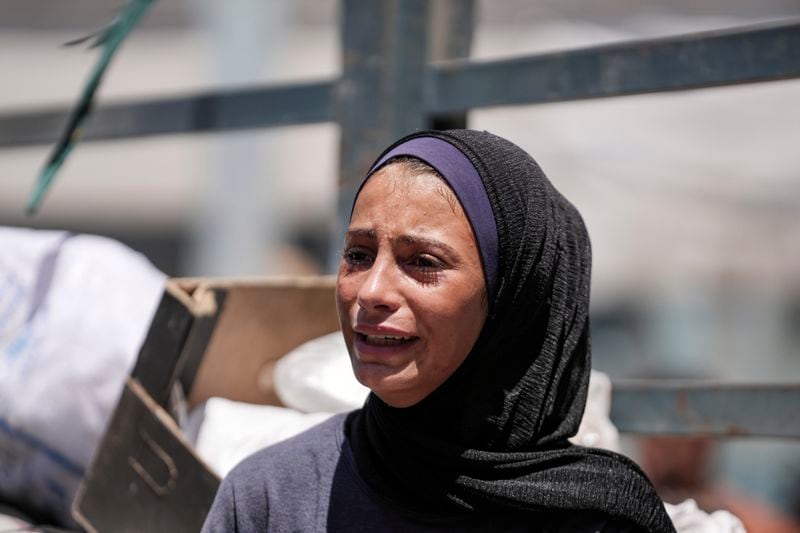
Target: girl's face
x=410 y=291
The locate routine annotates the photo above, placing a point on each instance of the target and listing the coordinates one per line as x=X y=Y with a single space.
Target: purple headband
x=462 y=177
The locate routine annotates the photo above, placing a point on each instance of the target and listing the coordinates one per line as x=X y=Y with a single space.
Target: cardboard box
x=208 y=338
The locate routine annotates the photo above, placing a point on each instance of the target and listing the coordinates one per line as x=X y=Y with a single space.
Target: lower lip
x=364 y=348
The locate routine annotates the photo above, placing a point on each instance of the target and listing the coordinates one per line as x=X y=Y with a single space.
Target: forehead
x=396 y=195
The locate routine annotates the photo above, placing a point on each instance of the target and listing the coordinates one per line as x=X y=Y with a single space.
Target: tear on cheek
x=429 y=278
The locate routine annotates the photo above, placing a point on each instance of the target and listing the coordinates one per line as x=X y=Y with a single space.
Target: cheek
x=346 y=294
x=456 y=307
x=343 y=304
x=455 y=328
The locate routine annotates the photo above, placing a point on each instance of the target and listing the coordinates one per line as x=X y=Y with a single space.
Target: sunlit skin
x=411 y=271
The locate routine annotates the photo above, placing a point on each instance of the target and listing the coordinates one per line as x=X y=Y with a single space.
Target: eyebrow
x=407 y=240
x=364 y=233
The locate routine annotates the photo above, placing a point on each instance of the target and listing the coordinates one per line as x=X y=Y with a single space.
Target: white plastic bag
x=74 y=311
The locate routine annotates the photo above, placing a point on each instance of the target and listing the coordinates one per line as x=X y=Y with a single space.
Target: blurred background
x=692 y=199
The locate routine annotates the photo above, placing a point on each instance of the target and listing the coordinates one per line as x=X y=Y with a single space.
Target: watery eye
x=426 y=269
x=426 y=262
x=356 y=257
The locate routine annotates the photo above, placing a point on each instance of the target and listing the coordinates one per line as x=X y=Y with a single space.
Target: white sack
x=224 y=432
x=74 y=311
x=317 y=376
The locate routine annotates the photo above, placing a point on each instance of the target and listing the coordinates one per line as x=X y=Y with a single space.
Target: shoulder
x=317 y=445
x=292 y=476
x=302 y=461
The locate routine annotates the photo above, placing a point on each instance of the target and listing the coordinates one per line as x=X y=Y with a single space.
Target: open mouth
x=385 y=340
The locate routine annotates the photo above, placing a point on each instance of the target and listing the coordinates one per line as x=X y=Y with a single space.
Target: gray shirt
x=310 y=483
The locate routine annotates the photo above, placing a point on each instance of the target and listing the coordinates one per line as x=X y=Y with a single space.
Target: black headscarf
x=493 y=437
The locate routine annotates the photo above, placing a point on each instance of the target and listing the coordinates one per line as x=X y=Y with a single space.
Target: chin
x=395 y=390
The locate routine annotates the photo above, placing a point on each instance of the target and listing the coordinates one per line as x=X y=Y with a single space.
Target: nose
x=380 y=290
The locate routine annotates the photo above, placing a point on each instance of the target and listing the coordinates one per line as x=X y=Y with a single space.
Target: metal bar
x=381 y=87
x=380 y=93
x=451 y=28
x=742 y=55
x=677 y=63
x=219 y=111
x=714 y=409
